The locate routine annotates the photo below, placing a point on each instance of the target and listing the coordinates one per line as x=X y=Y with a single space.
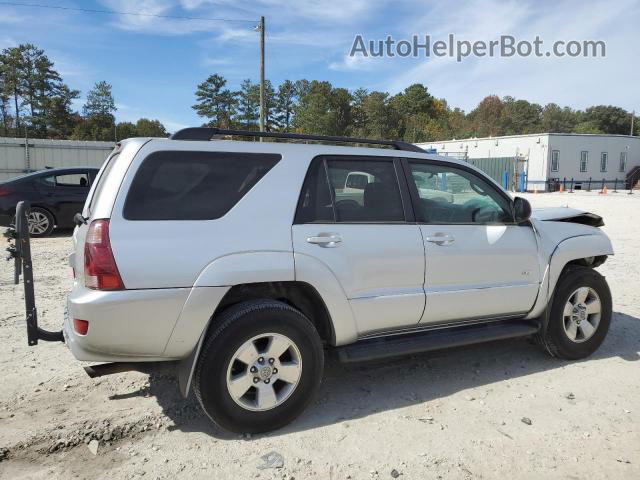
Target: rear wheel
x=259 y=368
x=41 y=222
x=580 y=314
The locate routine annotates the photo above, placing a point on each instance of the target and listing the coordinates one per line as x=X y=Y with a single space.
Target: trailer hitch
x=20 y=252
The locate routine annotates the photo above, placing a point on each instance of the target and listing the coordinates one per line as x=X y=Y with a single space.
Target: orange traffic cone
x=604 y=191
x=561 y=188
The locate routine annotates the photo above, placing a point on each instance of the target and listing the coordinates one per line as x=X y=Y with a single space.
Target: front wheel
x=580 y=314
x=259 y=368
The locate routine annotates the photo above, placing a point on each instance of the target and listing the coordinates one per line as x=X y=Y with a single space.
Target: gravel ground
x=498 y=410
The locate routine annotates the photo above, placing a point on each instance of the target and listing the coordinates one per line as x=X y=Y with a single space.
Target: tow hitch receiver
x=20 y=252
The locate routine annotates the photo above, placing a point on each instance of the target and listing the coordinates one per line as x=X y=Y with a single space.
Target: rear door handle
x=441 y=239
x=330 y=240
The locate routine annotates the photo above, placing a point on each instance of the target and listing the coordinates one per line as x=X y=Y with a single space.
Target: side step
x=408 y=344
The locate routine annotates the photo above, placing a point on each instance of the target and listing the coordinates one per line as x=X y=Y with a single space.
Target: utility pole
x=262 y=91
x=633 y=115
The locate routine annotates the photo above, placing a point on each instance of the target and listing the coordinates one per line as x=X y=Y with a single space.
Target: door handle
x=331 y=240
x=441 y=239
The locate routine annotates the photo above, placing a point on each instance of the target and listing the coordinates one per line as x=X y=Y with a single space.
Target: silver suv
x=245 y=262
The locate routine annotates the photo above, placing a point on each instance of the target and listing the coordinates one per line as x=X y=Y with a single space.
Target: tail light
x=100 y=269
x=4 y=192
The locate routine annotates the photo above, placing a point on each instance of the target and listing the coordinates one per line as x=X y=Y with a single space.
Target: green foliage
x=215 y=102
x=35 y=101
x=149 y=128
x=609 y=119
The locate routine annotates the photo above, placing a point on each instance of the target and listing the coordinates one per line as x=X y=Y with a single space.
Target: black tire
x=47 y=217
x=232 y=329
x=555 y=339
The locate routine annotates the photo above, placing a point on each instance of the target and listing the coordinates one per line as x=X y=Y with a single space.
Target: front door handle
x=326 y=240
x=441 y=239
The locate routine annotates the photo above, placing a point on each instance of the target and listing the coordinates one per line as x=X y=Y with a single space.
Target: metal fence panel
x=18 y=157
x=496 y=167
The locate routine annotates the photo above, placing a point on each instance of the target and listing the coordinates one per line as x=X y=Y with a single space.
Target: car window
x=454 y=195
x=101 y=177
x=73 y=180
x=362 y=190
x=175 y=185
x=50 y=181
x=315 y=204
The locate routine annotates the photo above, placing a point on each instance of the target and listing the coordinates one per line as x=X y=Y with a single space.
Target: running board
x=399 y=345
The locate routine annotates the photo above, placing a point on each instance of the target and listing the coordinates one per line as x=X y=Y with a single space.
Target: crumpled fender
x=583 y=242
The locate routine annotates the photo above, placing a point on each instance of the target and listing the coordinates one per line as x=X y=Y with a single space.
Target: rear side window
x=102 y=177
x=177 y=185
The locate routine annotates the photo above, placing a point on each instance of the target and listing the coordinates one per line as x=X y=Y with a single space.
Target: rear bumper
x=128 y=325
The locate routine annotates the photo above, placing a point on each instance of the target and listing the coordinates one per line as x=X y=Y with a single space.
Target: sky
x=155 y=64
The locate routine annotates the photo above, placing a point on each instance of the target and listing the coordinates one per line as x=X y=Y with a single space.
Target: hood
x=566 y=214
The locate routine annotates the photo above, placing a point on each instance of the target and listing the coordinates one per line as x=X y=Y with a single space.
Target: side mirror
x=521 y=209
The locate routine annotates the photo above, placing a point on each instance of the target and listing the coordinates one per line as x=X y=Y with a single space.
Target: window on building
x=555 y=160
x=584 y=159
x=604 y=159
x=623 y=161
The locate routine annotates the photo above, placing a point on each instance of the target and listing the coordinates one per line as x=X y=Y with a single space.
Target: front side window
x=604 y=159
x=623 y=161
x=555 y=160
x=178 y=185
x=345 y=190
x=451 y=195
x=584 y=159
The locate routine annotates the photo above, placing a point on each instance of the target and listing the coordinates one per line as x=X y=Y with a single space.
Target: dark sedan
x=56 y=195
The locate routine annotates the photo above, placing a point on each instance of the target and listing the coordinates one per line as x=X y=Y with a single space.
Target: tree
x=58 y=115
x=381 y=117
x=555 y=119
x=126 y=130
x=12 y=67
x=609 y=119
x=149 y=128
x=5 y=107
x=248 y=110
x=519 y=116
x=285 y=105
x=486 y=118
x=214 y=102
x=100 y=103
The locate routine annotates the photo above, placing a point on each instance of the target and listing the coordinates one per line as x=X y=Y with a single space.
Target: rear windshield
x=177 y=185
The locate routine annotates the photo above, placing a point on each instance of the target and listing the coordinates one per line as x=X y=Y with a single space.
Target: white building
x=555 y=156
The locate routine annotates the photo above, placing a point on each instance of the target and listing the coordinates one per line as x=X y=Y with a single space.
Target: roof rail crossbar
x=207 y=133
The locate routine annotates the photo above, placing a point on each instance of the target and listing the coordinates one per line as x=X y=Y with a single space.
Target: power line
x=114 y=12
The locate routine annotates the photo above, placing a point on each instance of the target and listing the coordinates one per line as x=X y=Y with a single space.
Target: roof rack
x=207 y=133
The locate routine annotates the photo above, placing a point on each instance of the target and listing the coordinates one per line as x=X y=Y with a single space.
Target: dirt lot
x=455 y=414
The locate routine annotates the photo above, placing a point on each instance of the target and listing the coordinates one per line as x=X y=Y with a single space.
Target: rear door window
x=80 y=180
x=346 y=190
x=178 y=185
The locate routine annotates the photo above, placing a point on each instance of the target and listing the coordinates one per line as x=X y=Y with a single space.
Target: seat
x=381 y=203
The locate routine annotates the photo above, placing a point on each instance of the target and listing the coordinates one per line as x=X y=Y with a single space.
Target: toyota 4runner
x=245 y=262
